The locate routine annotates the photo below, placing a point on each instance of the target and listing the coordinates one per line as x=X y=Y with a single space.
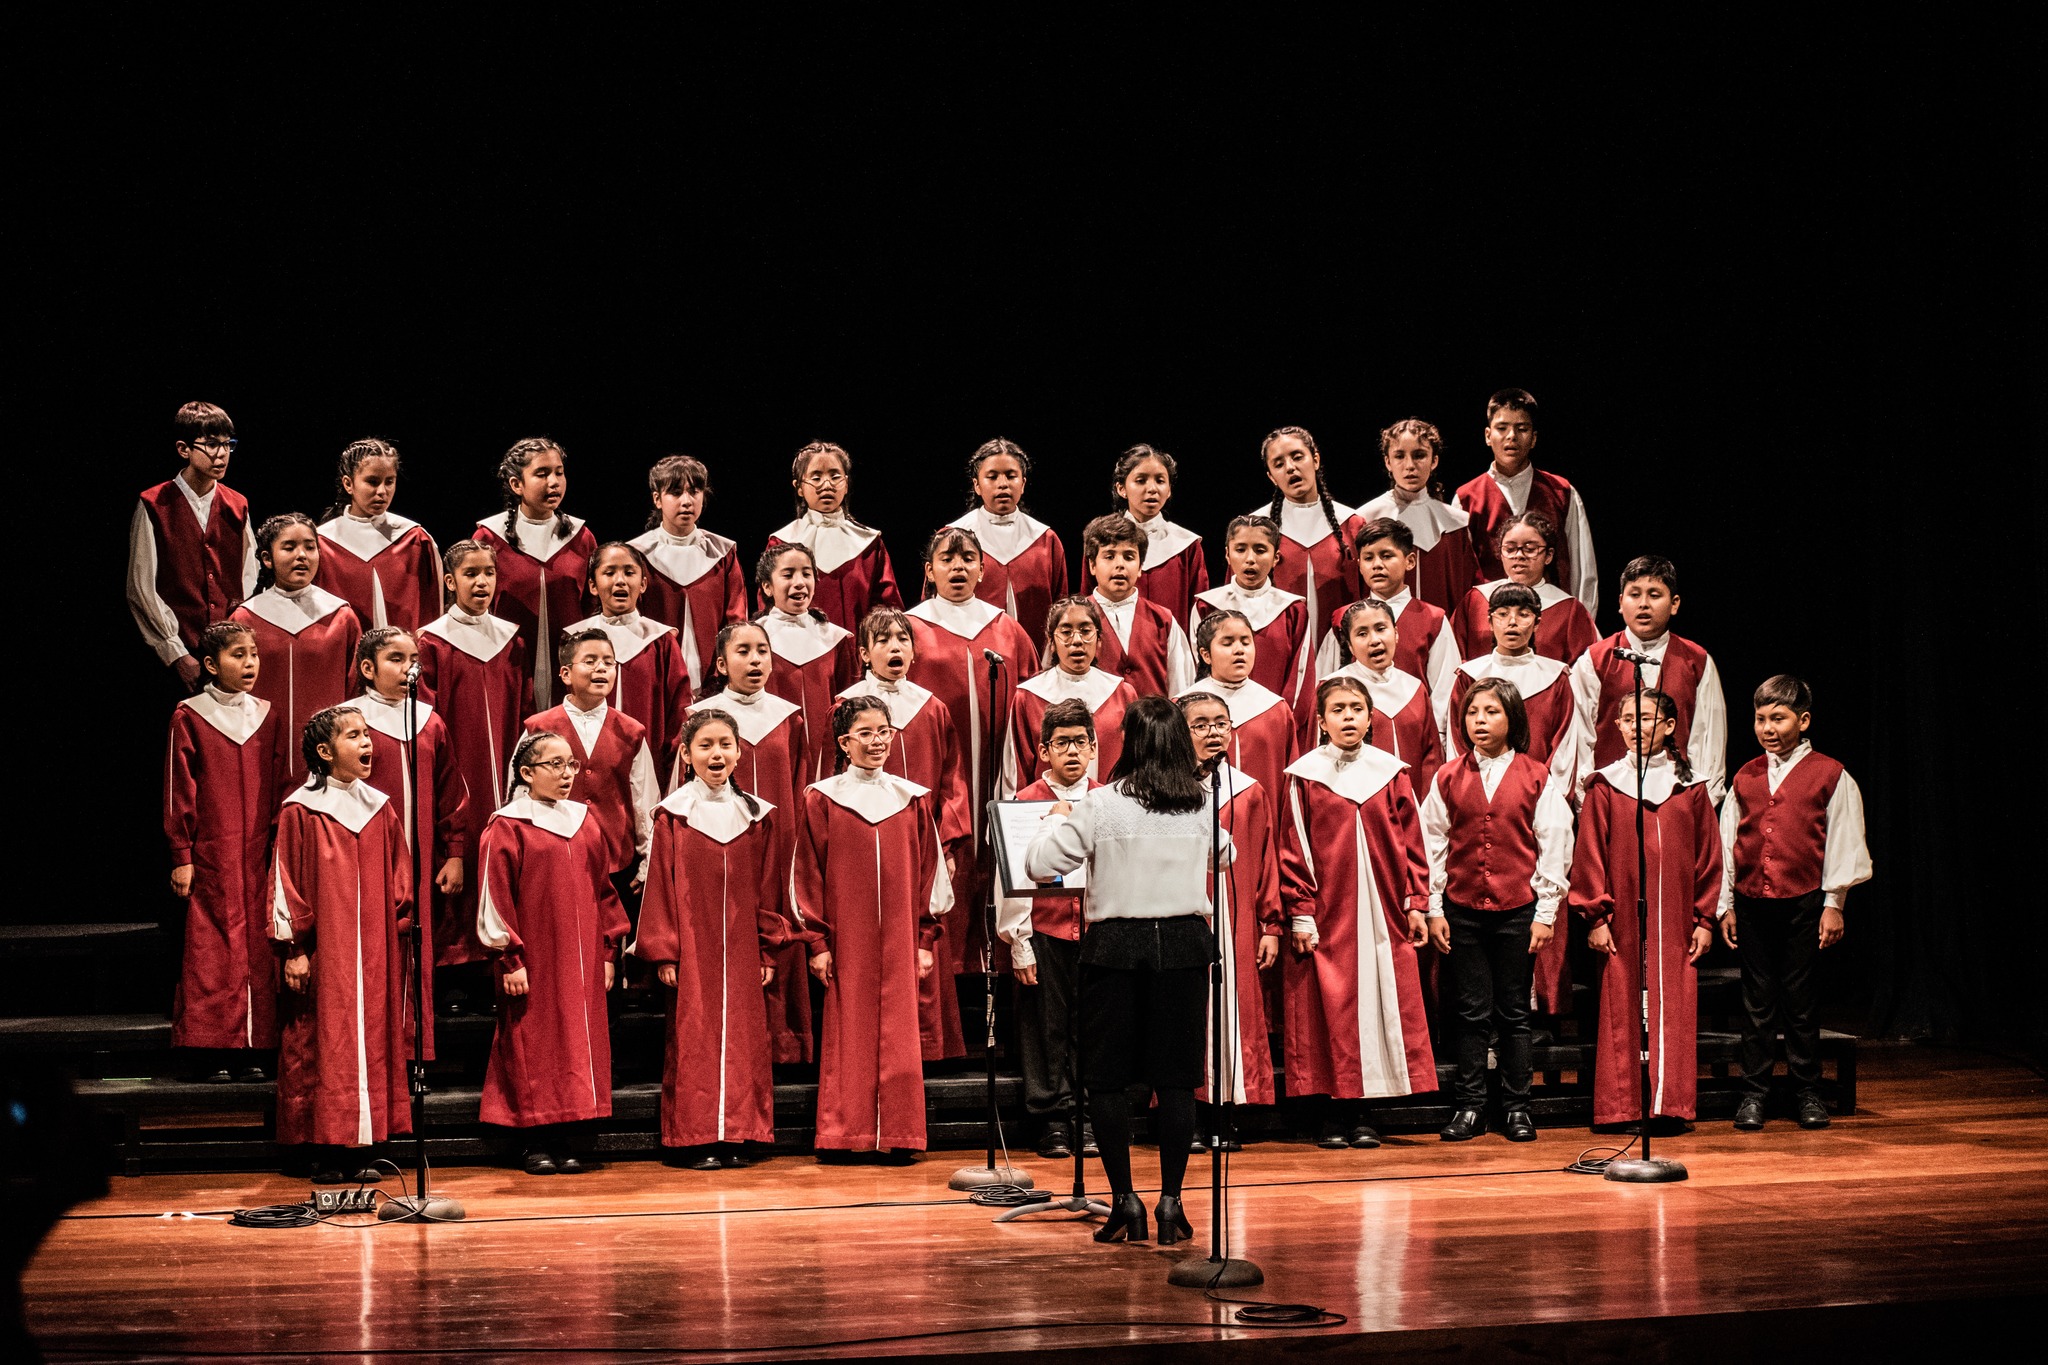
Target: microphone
x=995 y=660
x=1633 y=657
x=412 y=675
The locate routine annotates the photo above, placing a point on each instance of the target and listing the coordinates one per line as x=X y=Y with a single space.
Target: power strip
x=344 y=1201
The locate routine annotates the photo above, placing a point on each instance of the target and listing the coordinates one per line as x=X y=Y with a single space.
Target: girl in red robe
x=340 y=887
x=543 y=555
x=1074 y=625
x=773 y=766
x=223 y=777
x=711 y=923
x=1175 y=570
x=815 y=657
x=698 y=583
x=1354 y=881
x=1316 y=533
x=1445 y=563
x=1279 y=619
x=306 y=635
x=385 y=567
x=653 y=686
x=869 y=890
x=1682 y=847
x=1024 y=566
x=850 y=560
x=1403 y=721
x=1527 y=544
x=548 y=915
x=1263 y=736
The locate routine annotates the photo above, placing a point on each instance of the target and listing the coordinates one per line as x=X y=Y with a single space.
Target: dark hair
x=1667 y=709
x=802 y=462
x=452 y=557
x=197 y=420
x=698 y=720
x=715 y=670
x=764 y=571
x=266 y=536
x=639 y=557
x=512 y=466
x=1510 y=701
x=951 y=538
x=1255 y=521
x=1513 y=595
x=675 y=474
x=1205 y=635
x=1782 y=689
x=1072 y=602
x=216 y=638
x=1535 y=521
x=369 y=448
x=1422 y=431
x=849 y=710
x=1340 y=682
x=1520 y=399
x=1157 y=767
x=1322 y=485
x=565 y=652
x=1651 y=566
x=1357 y=609
x=1111 y=528
x=320 y=729
x=1130 y=460
x=1383 y=528
x=1188 y=701
x=528 y=742
x=373 y=640
x=880 y=622
x=1069 y=714
x=987 y=451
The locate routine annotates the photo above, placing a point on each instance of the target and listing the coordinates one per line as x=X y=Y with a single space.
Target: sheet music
x=1014 y=825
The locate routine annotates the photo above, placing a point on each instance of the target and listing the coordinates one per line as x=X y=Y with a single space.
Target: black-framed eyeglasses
x=1068 y=744
x=227 y=443
x=1209 y=727
x=567 y=767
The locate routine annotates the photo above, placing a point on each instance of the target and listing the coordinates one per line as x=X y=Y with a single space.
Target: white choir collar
x=351 y=805
x=292 y=612
x=1163 y=540
x=964 y=619
x=630 y=634
x=756 y=715
x=904 y=698
x=1261 y=606
x=1775 y=764
x=1092 y=688
x=874 y=794
x=1246 y=701
x=1304 y=522
x=717 y=815
x=1391 y=691
x=1236 y=781
x=1356 y=776
x=1399 y=601
x=682 y=559
x=563 y=818
x=480 y=637
x=1426 y=519
x=1002 y=538
x=796 y=640
x=495 y=524
x=386 y=715
x=833 y=539
x=1074 y=793
x=366 y=537
x=1660 y=778
x=238 y=715
x=1529 y=671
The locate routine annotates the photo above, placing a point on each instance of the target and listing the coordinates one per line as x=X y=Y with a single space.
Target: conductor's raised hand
x=821 y=967
x=298 y=972
x=1268 y=952
x=1059 y=808
x=513 y=982
x=1539 y=934
x=1600 y=938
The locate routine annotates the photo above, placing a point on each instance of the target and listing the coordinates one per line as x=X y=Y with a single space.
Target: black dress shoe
x=253 y=1075
x=1126 y=1221
x=1465 y=1125
x=1057 y=1143
x=1363 y=1136
x=1197 y=1145
x=571 y=1164
x=1173 y=1223
x=704 y=1161
x=1521 y=1126
x=1331 y=1138
x=367 y=1175
x=540 y=1163
x=1811 y=1113
x=326 y=1174
x=1088 y=1147
x=735 y=1161
x=221 y=1077
x=1749 y=1114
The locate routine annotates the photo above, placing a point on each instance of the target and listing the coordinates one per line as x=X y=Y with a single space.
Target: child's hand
x=1728 y=926
x=1440 y=934
x=767 y=976
x=637 y=883
x=611 y=974
x=188 y=672
x=1026 y=976
x=181 y=880
x=1702 y=939
x=1831 y=927
x=298 y=972
x=821 y=967
x=513 y=982
x=952 y=868
x=925 y=959
x=1600 y=938
x=1269 y=951
x=448 y=881
x=1303 y=943
x=666 y=974
x=1418 y=928
x=1539 y=934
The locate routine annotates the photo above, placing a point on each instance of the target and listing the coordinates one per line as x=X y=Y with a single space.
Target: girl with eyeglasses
x=1074 y=628
x=852 y=563
x=1527 y=545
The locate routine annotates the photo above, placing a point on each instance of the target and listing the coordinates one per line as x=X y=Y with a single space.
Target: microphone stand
x=419 y=1206
x=1645 y=1170
x=1221 y=1270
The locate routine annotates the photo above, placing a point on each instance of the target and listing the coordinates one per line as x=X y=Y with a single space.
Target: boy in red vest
x=191 y=551
x=610 y=748
x=1513 y=485
x=1792 y=846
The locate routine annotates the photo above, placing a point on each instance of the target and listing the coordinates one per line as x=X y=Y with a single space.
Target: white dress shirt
x=641 y=782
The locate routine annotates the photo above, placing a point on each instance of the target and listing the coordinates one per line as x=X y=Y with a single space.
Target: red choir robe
x=1545 y=685
x=1248 y=902
x=713 y=911
x=774 y=765
x=653 y=685
x=436 y=823
x=548 y=906
x=617 y=782
x=185 y=574
x=308 y=646
x=387 y=569
x=340 y=882
x=1106 y=696
x=1316 y=564
x=223 y=778
x=1426 y=647
x=1143 y=643
x=1403 y=723
x=1352 y=867
x=1563 y=631
x=1023 y=567
x=698 y=585
x=473 y=671
x=1284 y=658
x=1684 y=671
x=868 y=885
x=1174 y=571
x=923 y=753
x=1445 y=565
x=1572 y=569
x=540 y=596
x=854 y=574
x=814 y=662
x=951 y=639
x=1682 y=848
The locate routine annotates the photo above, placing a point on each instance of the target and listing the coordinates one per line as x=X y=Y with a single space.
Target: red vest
x=1143 y=663
x=198 y=574
x=1492 y=860
x=1685 y=663
x=1778 y=845
x=606 y=782
x=1548 y=494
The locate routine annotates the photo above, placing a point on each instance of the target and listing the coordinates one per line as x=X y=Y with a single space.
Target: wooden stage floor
x=1929 y=1208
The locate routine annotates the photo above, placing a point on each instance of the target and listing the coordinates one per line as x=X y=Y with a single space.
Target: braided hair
x=700 y=720
x=321 y=727
x=676 y=474
x=802 y=463
x=511 y=467
x=452 y=557
x=266 y=536
x=369 y=448
x=523 y=751
x=987 y=451
x=1322 y=485
x=1667 y=709
x=373 y=640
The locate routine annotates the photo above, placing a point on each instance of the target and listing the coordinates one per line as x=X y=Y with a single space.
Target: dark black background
x=1776 y=284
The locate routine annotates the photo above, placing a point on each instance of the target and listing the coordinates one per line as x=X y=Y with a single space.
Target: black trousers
x=1492 y=971
x=1045 y=1028
x=1778 y=941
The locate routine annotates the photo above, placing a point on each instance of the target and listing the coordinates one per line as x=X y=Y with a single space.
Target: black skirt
x=1144 y=999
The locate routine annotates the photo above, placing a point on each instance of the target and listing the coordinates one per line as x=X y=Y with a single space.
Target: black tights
x=1112 y=1113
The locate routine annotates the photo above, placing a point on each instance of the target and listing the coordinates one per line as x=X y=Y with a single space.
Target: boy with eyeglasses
x=191 y=548
x=1073 y=629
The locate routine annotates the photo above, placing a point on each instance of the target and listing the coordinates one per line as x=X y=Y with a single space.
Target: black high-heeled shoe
x=1126 y=1221
x=1173 y=1223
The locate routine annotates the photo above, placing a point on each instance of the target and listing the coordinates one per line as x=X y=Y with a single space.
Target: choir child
x=543 y=555
x=191 y=551
x=1074 y=625
x=611 y=749
x=1263 y=735
x=1044 y=934
x=1403 y=722
x=223 y=778
x=1316 y=534
x=1513 y=485
x=711 y=923
x=924 y=753
x=698 y=583
x=473 y=671
x=383 y=565
x=340 y=889
x=815 y=658
x=869 y=888
x=1354 y=882
x=1543 y=685
x=1428 y=649
x=1499 y=835
x=850 y=560
x=1143 y=641
x=1445 y=565
x=1279 y=619
x=1782 y=894
x=1527 y=545
x=552 y=924
x=773 y=764
x=1678 y=668
x=653 y=685
x=1681 y=845
x=1174 y=569
x=1023 y=563
x=306 y=634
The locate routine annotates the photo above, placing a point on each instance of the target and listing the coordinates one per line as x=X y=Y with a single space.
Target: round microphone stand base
x=1640 y=1171
x=980 y=1177
x=1215 y=1273
x=412 y=1208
